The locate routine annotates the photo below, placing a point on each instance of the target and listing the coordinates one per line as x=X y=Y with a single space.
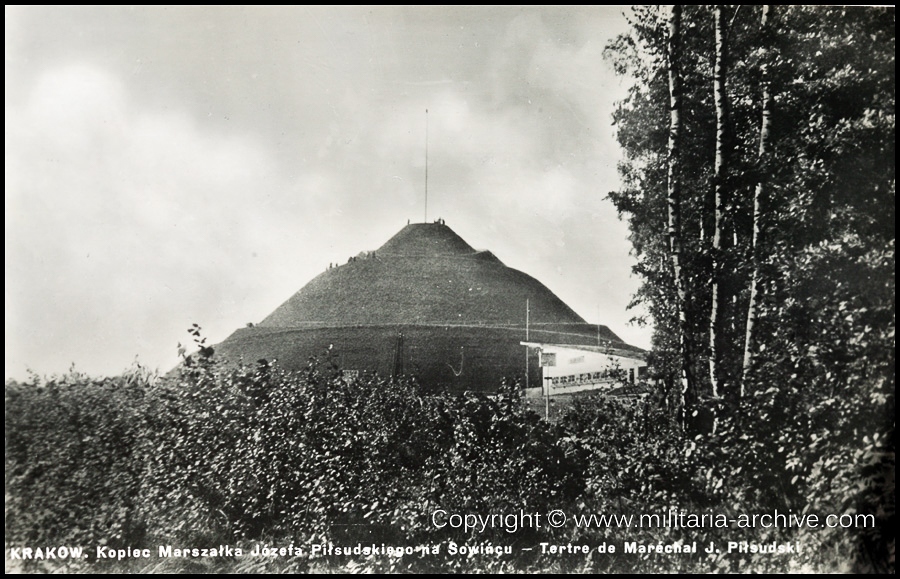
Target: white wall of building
x=569 y=369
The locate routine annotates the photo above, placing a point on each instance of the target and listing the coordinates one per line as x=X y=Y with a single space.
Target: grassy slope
x=455 y=306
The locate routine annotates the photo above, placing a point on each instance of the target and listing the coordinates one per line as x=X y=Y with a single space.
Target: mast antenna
x=426 y=165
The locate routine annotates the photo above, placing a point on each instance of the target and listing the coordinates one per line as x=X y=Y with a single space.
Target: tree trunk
x=674 y=205
x=717 y=307
x=765 y=124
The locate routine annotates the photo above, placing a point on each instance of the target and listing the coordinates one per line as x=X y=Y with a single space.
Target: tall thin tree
x=759 y=191
x=720 y=97
x=673 y=200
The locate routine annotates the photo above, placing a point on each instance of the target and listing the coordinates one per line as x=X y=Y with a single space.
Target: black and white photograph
x=450 y=289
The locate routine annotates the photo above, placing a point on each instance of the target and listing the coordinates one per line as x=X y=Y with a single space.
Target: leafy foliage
x=256 y=455
x=70 y=468
x=815 y=428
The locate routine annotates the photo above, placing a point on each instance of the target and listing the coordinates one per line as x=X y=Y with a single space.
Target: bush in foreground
x=255 y=455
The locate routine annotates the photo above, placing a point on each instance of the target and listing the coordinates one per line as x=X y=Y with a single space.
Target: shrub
x=219 y=455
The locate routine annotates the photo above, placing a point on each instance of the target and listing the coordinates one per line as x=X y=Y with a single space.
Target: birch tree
x=764 y=129
x=674 y=203
x=721 y=103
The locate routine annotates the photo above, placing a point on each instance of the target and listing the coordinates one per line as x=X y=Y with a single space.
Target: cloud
x=115 y=216
x=175 y=167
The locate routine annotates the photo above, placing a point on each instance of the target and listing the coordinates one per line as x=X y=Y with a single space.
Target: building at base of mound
x=573 y=371
x=573 y=368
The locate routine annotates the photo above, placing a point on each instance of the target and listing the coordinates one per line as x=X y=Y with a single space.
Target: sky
x=175 y=165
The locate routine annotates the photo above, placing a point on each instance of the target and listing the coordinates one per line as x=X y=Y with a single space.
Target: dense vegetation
x=759 y=187
x=760 y=197
x=255 y=455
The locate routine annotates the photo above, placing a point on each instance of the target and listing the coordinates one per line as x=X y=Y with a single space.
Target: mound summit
x=425 y=303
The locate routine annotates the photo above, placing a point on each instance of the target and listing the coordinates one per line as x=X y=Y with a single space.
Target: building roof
x=606 y=347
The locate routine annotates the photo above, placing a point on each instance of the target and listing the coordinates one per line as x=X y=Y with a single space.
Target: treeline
x=759 y=189
x=256 y=455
